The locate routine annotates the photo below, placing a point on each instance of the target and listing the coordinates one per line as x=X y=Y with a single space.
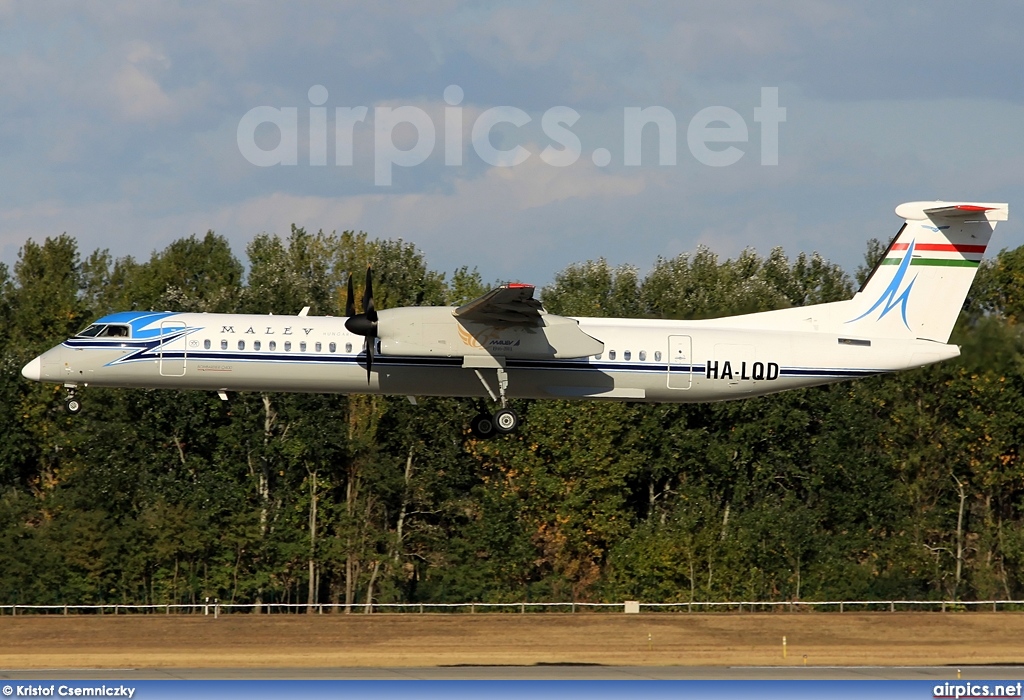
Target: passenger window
x=611 y=354
x=287 y=346
x=223 y=345
x=333 y=347
x=348 y=347
x=318 y=346
x=241 y=345
x=272 y=346
x=302 y=346
x=206 y=345
x=626 y=355
x=643 y=355
x=657 y=355
x=598 y=356
x=255 y=345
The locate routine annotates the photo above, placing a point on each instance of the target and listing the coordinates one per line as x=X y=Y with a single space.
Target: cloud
x=137 y=92
x=119 y=122
x=479 y=221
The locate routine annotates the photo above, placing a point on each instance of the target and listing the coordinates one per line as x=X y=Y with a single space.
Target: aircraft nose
x=33 y=370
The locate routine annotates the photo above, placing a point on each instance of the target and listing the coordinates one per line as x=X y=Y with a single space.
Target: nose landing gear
x=72 y=404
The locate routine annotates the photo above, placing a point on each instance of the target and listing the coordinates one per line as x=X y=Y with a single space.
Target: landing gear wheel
x=506 y=420
x=73 y=406
x=482 y=426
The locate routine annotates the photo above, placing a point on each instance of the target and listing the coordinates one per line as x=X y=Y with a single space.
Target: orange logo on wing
x=480 y=339
x=467 y=338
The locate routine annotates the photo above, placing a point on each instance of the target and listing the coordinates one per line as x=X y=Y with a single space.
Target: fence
x=216 y=608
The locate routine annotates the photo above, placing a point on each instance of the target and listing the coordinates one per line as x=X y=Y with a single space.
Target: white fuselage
x=504 y=345
x=643 y=360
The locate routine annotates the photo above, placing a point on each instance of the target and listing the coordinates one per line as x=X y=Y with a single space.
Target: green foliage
x=191 y=274
x=901 y=486
x=595 y=288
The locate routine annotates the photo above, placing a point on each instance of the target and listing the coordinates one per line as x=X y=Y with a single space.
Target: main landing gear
x=502 y=421
x=72 y=404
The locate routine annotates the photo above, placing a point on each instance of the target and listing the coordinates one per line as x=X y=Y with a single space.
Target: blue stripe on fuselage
x=456 y=362
x=139 y=320
x=141 y=348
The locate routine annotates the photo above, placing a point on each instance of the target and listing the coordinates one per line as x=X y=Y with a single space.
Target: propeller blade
x=368 y=308
x=369 y=357
x=350 y=301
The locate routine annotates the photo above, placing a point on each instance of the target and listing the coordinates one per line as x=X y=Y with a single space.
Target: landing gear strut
x=504 y=420
x=72 y=404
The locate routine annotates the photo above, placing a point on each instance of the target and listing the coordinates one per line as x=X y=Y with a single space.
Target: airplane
x=504 y=345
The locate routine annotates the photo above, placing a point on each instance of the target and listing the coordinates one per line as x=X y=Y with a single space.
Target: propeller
x=350 y=304
x=364 y=324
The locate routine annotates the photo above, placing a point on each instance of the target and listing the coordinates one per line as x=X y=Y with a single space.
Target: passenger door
x=172 y=359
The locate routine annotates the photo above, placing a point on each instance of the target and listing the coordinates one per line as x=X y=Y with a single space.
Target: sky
x=509 y=136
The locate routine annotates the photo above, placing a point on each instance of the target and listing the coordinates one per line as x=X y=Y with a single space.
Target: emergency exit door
x=679 y=362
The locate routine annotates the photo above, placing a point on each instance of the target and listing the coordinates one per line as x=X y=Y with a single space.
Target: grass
x=395 y=640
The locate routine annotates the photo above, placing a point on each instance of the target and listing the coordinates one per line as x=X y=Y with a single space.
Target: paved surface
x=539 y=672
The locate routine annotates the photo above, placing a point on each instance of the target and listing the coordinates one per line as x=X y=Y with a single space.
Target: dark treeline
x=903 y=486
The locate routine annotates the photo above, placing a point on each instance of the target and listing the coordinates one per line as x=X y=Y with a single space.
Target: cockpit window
x=113 y=331
x=103 y=330
x=92 y=331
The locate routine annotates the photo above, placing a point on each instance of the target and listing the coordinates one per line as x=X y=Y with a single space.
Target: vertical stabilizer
x=918 y=287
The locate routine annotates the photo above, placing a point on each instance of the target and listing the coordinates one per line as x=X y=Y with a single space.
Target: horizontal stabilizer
x=975 y=211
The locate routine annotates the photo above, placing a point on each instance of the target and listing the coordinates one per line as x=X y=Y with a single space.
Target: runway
x=536 y=672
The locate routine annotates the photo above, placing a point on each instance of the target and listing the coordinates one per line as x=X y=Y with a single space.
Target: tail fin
x=918 y=287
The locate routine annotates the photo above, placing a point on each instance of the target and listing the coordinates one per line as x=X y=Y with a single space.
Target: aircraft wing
x=507 y=304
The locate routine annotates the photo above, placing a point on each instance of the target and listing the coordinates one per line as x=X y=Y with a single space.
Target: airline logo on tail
x=892 y=296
